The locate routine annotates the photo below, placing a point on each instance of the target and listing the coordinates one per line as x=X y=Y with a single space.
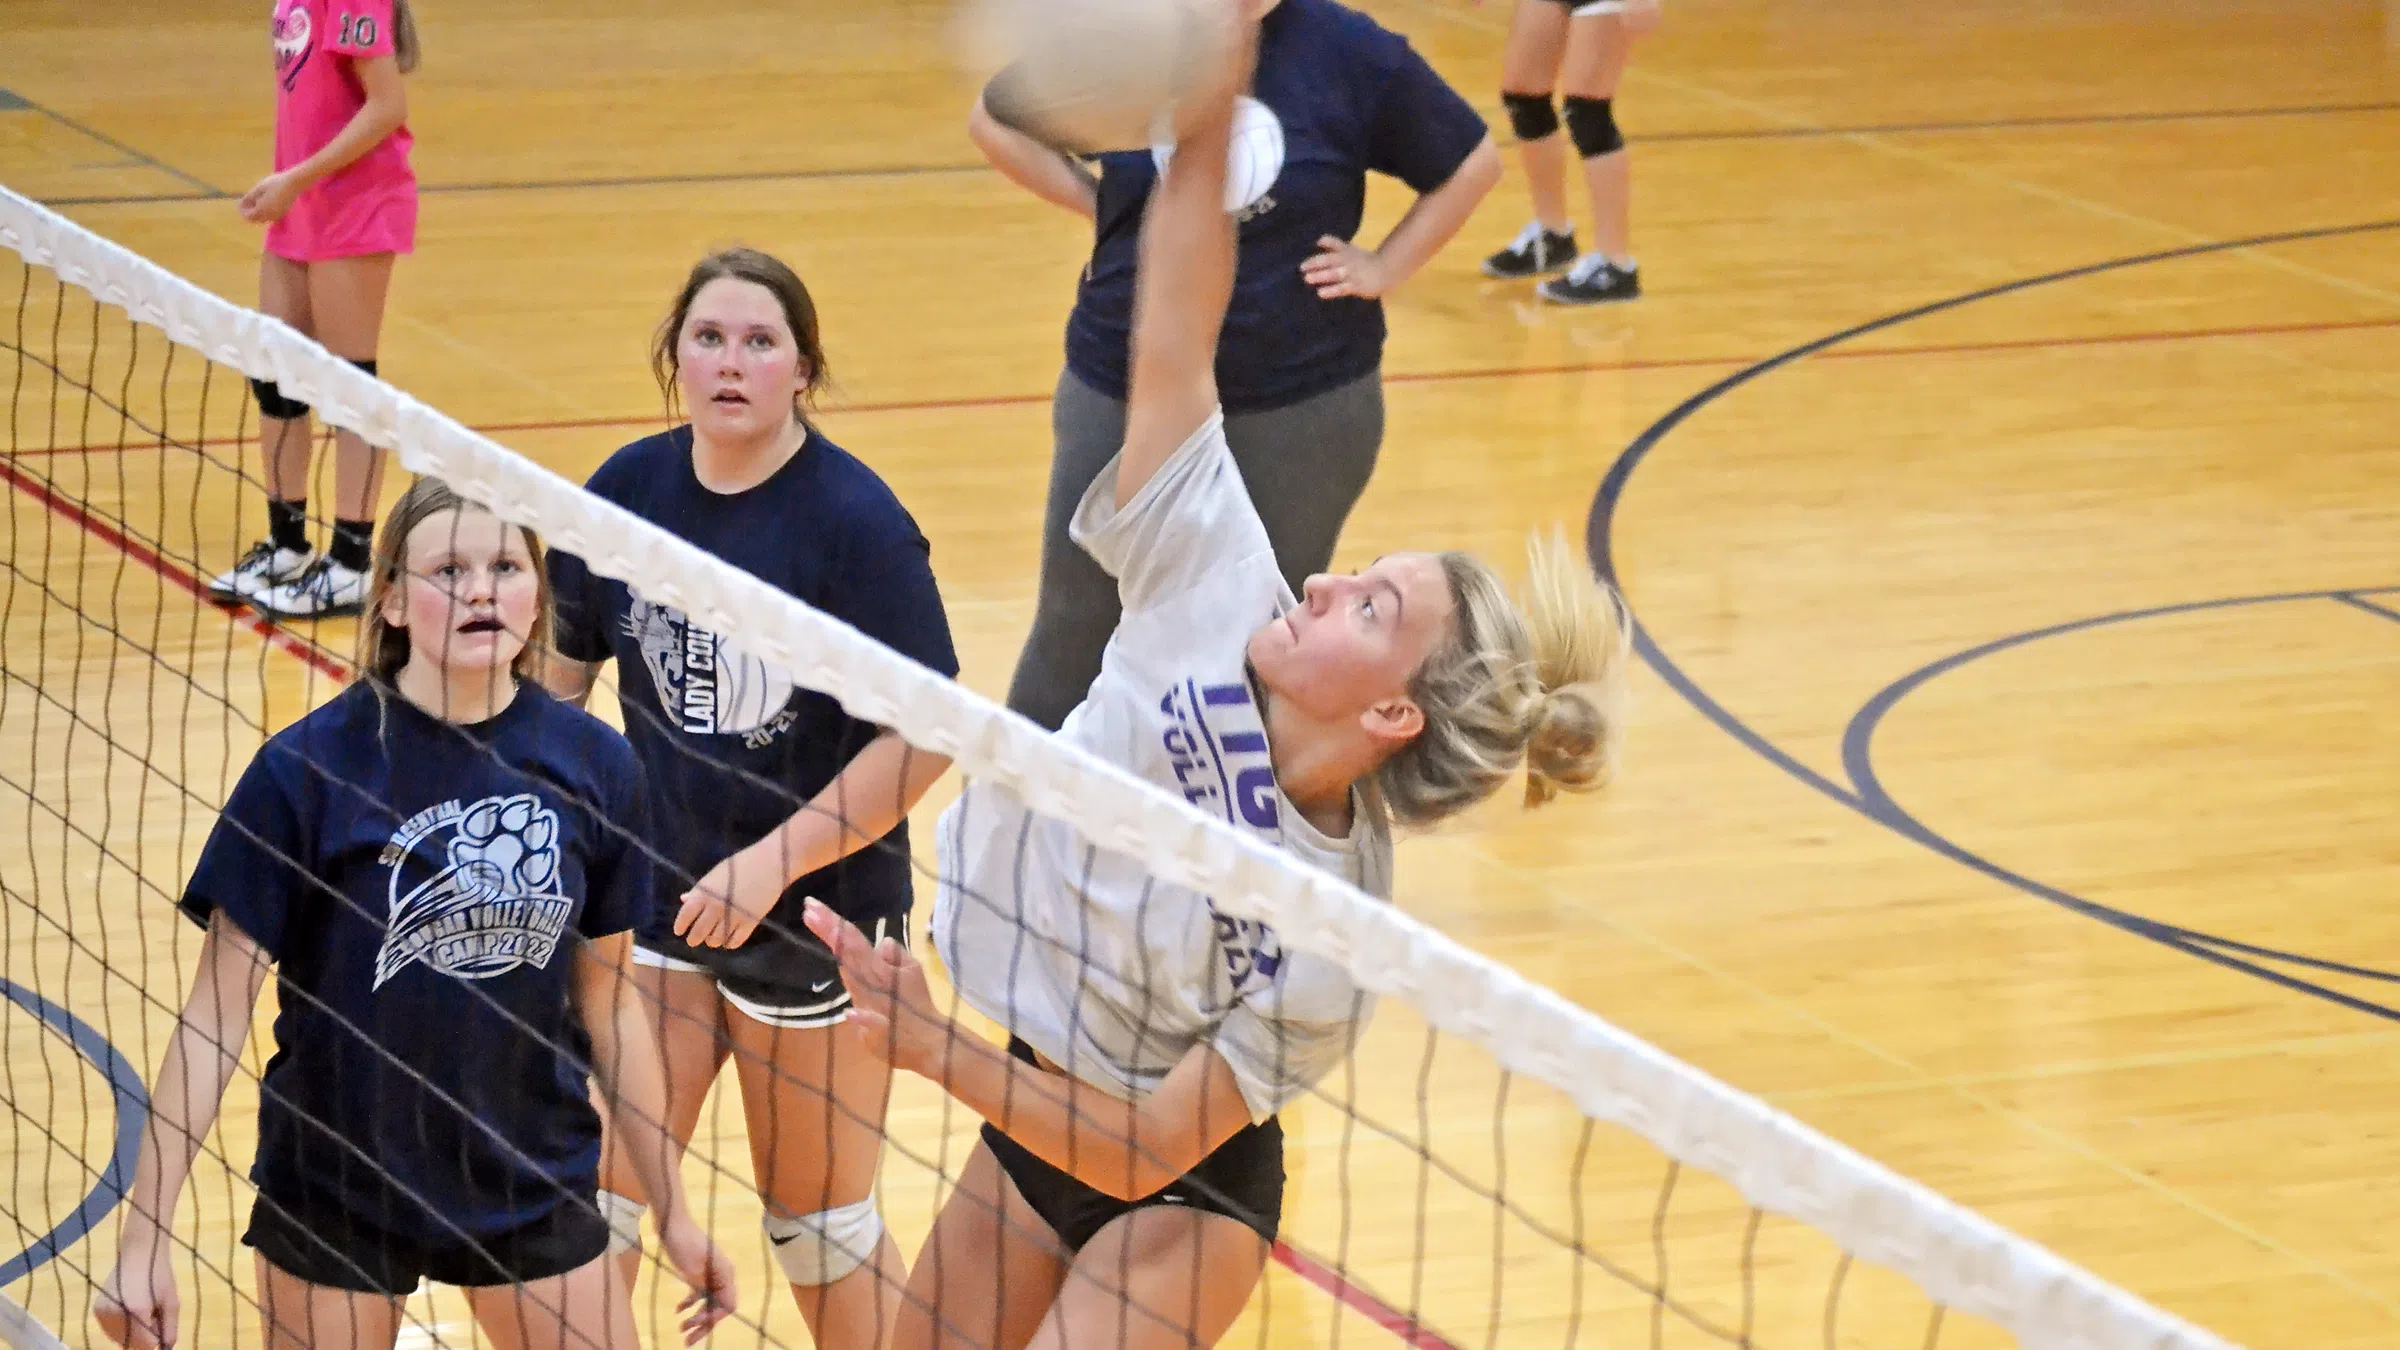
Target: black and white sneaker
x=1593 y=281
x=1535 y=252
x=324 y=590
x=262 y=568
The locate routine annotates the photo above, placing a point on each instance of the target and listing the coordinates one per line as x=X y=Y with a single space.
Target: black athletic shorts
x=1242 y=1180
x=327 y=1247
x=782 y=976
x=1586 y=8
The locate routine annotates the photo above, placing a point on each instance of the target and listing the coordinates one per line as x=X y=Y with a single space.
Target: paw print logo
x=492 y=902
x=506 y=846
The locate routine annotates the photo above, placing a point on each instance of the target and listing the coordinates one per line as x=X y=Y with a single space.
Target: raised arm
x=1186 y=276
x=1049 y=174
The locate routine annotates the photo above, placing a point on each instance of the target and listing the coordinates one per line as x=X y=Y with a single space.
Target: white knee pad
x=624 y=1215
x=817 y=1249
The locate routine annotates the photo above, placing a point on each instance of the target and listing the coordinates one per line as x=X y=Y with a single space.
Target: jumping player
x=1128 y=1184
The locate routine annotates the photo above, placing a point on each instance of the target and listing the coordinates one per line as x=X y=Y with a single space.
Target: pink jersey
x=371 y=206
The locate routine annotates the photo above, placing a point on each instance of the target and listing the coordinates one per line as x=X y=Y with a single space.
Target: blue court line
x=136 y=199
x=121 y=147
x=2357 y=599
x=11 y=101
x=1858 y=760
x=209 y=193
x=1864 y=797
x=132 y=1102
x=2024 y=123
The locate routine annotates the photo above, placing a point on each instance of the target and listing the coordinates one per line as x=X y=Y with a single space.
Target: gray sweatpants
x=1305 y=466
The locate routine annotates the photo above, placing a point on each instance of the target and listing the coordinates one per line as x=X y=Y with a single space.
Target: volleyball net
x=1492 y=1166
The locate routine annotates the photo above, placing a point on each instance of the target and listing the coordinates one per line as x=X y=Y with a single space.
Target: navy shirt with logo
x=1352 y=98
x=421 y=887
x=732 y=747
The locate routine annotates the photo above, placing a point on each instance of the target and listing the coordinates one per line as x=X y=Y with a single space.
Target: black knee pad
x=1531 y=116
x=1593 y=126
x=272 y=403
x=367 y=364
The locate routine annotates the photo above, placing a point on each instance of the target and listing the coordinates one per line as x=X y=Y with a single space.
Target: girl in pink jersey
x=340 y=206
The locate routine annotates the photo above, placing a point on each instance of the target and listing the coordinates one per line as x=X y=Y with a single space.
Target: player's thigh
x=989 y=1272
x=345 y=298
x=688 y=1014
x=283 y=291
x=1537 y=38
x=298 y=1315
x=588 y=1308
x=814 y=1100
x=1159 y=1278
x=1597 y=48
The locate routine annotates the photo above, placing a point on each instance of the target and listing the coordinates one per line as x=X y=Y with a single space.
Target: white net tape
x=1960 y=1259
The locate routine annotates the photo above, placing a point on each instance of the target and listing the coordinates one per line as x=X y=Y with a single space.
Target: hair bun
x=1569 y=747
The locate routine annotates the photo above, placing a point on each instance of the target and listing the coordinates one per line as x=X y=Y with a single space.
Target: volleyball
x=1093 y=75
x=1253 y=159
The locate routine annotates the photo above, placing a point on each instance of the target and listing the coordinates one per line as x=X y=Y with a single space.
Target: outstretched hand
x=891 y=1008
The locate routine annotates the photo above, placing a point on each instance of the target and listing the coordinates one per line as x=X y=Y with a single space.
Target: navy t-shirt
x=1353 y=97
x=421 y=887
x=731 y=746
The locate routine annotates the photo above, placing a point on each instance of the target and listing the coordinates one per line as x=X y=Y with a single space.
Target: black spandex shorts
x=782 y=976
x=1242 y=1180
x=327 y=1247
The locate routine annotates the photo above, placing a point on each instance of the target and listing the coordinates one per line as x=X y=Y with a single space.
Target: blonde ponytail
x=1540 y=685
x=1582 y=643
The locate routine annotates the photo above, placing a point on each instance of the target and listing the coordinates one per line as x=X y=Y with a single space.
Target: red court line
x=1435 y=376
x=1360 y=1300
x=1587 y=368
x=150 y=558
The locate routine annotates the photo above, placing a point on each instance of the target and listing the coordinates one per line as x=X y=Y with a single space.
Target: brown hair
x=406 y=52
x=1540 y=683
x=382 y=648
x=759 y=269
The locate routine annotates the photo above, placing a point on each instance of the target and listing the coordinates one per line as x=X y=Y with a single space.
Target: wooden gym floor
x=2013 y=787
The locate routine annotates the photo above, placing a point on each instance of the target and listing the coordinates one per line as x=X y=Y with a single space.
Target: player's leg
x=1598 y=44
x=346 y=302
x=693 y=1045
x=1305 y=467
x=298 y=1315
x=283 y=436
x=1163 y=1277
x=990 y=1269
x=1537 y=39
x=326 y=1283
x=1075 y=606
x=814 y=1100
x=588 y=1308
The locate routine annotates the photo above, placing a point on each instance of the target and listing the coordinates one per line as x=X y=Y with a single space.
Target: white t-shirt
x=1109 y=971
